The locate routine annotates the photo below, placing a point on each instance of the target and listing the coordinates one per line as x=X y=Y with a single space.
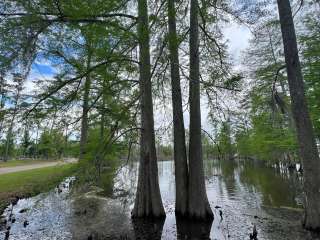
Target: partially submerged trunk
x=199 y=206
x=148 y=229
x=308 y=149
x=85 y=110
x=189 y=229
x=148 y=201
x=180 y=155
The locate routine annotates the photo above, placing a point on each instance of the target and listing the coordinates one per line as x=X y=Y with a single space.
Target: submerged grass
x=32 y=182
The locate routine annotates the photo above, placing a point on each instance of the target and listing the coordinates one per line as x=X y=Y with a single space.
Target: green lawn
x=31 y=182
x=14 y=163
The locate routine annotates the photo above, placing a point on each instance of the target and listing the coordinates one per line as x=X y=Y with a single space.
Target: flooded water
x=243 y=194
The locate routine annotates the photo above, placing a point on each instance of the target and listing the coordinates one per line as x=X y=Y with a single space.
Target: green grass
x=32 y=182
x=14 y=163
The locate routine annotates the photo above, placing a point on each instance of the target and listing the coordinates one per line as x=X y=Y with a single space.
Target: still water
x=247 y=195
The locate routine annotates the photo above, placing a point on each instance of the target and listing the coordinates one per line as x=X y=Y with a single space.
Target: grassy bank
x=31 y=182
x=14 y=163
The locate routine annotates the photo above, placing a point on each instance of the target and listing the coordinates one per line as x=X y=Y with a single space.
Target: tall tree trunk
x=148 y=201
x=65 y=149
x=308 y=149
x=198 y=202
x=103 y=110
x=37 y=140
x=85 y=110
x=19 y=81
x=180 y=154
x=8 y=142
x=103 y=117
x=2 y=102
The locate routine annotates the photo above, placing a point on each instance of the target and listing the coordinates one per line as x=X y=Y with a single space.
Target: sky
x=237 y=36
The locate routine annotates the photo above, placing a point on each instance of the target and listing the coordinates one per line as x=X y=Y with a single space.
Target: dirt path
x=33 y=166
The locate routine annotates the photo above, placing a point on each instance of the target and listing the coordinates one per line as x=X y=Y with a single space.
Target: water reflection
x=241 y=195
x=187 y=229
x=147 y=229
x=277 y=188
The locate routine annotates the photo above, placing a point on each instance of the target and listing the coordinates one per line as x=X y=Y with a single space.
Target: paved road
x=33 y=166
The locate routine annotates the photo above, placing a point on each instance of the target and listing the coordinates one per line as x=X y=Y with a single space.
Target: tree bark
x=180 y=154
x=103 y=112
x=85 y=110
x=146 y=229
x=2 y=102
x=9 y=139
x=308 y=149
x=198 y=202
x=148 y=201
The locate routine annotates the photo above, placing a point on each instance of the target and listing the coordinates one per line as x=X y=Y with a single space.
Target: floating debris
x=25 y=223
x=254 y=234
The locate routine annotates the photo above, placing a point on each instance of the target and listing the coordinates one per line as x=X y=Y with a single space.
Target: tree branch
x=68 y=18
x=71 y=80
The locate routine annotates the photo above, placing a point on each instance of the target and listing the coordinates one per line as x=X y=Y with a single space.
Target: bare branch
x=212 y=139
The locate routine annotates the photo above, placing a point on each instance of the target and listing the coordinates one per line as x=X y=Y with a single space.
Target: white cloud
x=238 y=39
x=30 y=85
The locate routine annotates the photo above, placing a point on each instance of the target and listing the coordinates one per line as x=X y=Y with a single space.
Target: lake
x=243 y=193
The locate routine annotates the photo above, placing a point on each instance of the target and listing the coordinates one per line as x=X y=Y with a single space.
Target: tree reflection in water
x=188 y=229
x=148 y=228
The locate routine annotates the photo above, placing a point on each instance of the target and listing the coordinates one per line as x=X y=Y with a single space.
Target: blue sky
x=43 y=69
x=238 y=38
x=40 y=69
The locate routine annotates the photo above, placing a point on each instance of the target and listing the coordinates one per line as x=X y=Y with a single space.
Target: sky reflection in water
x=246 y=195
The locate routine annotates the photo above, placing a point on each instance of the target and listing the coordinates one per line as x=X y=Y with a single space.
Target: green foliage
x=209 y=149
x=266 y=140
x=12 y=148
x=51 y=144
x=233 y=82
x=101 y=158
x=27 y=144
x=164 y=152
x=311 y=68
x=224 y=140
x=268 y=131
x=72 y=149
